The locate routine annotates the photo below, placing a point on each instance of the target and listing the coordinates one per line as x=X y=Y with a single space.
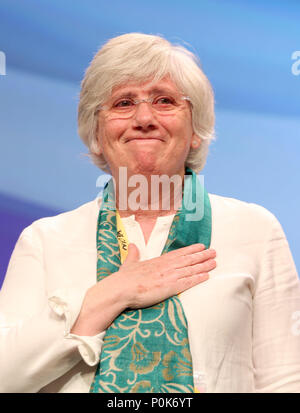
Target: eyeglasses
x=126 y=107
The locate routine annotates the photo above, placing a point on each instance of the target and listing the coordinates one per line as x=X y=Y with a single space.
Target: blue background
x=245 y=48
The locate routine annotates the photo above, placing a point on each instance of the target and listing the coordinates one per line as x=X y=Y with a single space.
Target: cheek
x=108 y=132
x=182 y=131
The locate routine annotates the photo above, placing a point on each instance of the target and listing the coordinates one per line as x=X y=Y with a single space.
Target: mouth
x=143 y=140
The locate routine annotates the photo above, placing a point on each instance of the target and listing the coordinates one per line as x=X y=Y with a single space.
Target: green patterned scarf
x=147 y=350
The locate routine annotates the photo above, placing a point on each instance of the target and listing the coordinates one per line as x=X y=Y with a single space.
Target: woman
x=195 y=292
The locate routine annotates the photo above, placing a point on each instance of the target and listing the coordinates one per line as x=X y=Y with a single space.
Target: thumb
x=132 y=255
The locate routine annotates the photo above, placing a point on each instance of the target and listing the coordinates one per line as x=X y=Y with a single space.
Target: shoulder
x=238 y=209
x=76 y=225
x=242 y=219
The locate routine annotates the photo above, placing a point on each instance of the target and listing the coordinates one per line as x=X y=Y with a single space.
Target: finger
x=186 y=283
x=195 y=258
x=133 y=254
x=169 y=257
x=190 y=249
x=204 y=267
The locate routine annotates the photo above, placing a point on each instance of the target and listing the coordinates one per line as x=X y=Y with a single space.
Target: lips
x=144 y=139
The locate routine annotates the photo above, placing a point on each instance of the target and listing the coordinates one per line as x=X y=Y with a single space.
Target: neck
x=148 y=196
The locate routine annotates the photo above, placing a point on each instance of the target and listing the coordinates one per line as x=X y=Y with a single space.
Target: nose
x=144 y=118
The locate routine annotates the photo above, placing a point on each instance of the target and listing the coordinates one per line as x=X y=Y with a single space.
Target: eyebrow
x=154 y=91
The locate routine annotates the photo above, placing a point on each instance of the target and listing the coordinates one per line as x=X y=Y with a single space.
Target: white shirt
x=243 y=323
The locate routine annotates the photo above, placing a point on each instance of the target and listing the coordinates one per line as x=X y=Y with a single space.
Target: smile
x=142 y=140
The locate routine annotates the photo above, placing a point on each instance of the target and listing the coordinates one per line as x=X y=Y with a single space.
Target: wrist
x=101 y=305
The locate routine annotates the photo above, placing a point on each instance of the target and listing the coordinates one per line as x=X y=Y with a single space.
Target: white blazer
x=243 y=323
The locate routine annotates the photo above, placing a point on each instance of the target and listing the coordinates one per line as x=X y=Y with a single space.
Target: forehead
x=145 y=87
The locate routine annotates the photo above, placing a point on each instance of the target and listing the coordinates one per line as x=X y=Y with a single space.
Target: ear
x=96 y=147
x=195 y=141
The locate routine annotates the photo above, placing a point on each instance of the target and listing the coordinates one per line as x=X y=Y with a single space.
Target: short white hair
x=140 y=57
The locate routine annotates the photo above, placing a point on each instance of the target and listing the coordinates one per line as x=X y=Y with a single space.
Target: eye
x=164 y=101
x=123 y=103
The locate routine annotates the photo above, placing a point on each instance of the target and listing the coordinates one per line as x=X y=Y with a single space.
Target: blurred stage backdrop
x=246 y=48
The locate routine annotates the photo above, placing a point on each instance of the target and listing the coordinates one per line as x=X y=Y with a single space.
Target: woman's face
x=148 y=142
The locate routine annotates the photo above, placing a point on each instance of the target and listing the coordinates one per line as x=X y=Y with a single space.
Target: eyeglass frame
x=138 y=101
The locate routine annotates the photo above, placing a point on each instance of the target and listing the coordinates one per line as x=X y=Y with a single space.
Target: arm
x=276 y=306
x=35 y=344
x=35 y=329
x=137 y=285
